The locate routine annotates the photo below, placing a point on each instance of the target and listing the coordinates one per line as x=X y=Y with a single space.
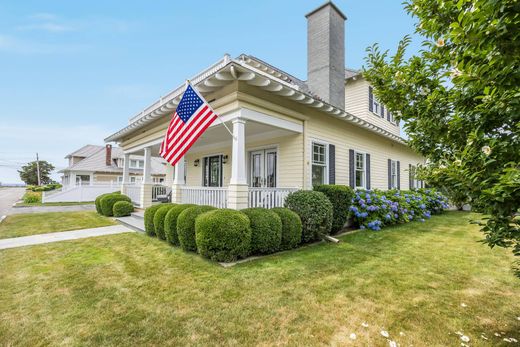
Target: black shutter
x=389 y=173
x=351 y=178
x=332 y=164
x=382 y=111
x=398 y=175
x=410 y=177
x=370 y=99
x=367 y=159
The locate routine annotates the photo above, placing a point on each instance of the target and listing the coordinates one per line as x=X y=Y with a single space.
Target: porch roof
x=254 y=72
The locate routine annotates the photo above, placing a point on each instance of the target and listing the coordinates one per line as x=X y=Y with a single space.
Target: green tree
x=460 y=102
x=29 y=174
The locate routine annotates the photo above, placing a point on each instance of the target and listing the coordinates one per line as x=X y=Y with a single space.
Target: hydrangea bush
x=374 y=209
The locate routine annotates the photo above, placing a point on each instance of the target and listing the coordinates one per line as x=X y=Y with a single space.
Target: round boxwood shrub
x=266 y=230
x=122 y=208
x=97 y=202
x=148 y=219
x=341 y=199
x=186 y=226
x=291 y=228
x=107 y=203
x=315 y=211
x=158 y=219
x=170 y=223
x=223 y=235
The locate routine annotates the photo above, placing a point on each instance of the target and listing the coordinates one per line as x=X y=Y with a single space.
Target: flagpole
x=220 y=119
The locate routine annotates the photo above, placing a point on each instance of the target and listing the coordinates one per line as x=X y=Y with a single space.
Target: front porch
x=258 y=167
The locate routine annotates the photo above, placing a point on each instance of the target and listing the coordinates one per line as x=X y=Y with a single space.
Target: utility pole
x=38 y=169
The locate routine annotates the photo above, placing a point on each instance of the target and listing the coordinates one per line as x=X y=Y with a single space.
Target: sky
x=72 y=73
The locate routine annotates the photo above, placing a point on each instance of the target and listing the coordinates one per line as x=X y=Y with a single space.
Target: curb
x=2 y=218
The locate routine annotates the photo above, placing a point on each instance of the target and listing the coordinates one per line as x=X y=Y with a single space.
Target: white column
x=178 y=182
x=238 y=189
x=126 y=172
x=146 y=186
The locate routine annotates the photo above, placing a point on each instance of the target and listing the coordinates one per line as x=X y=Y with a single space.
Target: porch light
x=196 y=162
x=224 y=159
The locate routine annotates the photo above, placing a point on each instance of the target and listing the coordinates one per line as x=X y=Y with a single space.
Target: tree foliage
x=29 y=173
x=460 y=102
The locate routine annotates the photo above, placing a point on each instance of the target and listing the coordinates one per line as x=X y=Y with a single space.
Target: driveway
x=8 y=196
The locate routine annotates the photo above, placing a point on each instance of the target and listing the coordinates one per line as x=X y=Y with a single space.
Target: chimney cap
x=328 y=3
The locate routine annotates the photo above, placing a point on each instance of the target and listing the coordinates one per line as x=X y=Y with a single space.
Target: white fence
x=133 y=191
x=80 y=193
x=158 y=190
x=268 y=197
x=213 y=196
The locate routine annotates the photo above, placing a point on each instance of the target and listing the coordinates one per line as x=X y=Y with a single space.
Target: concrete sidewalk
x=62 y=236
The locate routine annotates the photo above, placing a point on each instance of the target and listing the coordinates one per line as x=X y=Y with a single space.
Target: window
x=119 y=179
x=157 y=180
x=319 y=163
x=393 y=174
x=212 y=171
x=414 y=182
x=136 y=164
x=360 y=170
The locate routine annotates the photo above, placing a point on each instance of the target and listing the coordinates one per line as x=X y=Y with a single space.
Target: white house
x=288 y=133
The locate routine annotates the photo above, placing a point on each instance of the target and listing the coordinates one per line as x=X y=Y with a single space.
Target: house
x=93 y=165
x=288 y=133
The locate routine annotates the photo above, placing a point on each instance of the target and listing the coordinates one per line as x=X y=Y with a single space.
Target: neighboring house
x=288 y=134
x=91 y=165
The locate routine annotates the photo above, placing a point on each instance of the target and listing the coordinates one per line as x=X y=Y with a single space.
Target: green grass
x=41 y=223
x=130 y=289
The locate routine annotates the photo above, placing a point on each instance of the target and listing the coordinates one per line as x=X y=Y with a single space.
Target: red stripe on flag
x=186 y=127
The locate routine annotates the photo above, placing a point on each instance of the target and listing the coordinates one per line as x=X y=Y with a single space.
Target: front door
x=263 y=164
x=213 y=171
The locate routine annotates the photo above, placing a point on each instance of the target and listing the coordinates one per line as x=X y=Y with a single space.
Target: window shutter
x=410 y=177
x=388 y=114
x=389 y=173
x=398 y=175
x=367 y=159
x=370 y=99
x=382 y=111
x=351 y=178
x=332 y=164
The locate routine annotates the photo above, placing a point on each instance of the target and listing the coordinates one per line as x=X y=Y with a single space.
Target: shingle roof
x=85 y=151
x=97 y=162
x=349 y=73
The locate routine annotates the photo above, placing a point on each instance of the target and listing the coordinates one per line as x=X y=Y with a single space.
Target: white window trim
x=137 y=162
x=262 y=148
x=393 y=184
x=364 y=169
x=321 y=142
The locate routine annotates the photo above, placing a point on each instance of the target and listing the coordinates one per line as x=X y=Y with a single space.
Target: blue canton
x=190 y=102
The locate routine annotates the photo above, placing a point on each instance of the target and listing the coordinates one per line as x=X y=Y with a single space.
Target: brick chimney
x=108 y=155
x=326 y=53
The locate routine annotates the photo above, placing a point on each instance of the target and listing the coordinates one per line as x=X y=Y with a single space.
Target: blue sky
x=72 y=72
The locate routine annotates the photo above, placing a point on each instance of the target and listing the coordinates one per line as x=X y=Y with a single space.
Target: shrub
x=291 y=228
x=97 y=202
x=186 y=226
x=158 y=219
x=341 y=199
x=266 y=230
x=107 y=203
x=374 y=209
x=315 y=211
x=170 y=223
x=32 y=197
x=148 y=219
x=122 y=208
x=223 y=235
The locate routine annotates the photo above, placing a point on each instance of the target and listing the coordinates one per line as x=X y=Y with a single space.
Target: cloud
x=13 y=44
x=47 y=26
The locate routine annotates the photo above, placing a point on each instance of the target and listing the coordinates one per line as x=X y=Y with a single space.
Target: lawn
x=41 y=223
x=421 y=282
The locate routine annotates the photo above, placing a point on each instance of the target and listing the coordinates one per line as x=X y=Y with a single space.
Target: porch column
x=146 y=187
x=238 y=190
x=126 y=173
x=178 y=182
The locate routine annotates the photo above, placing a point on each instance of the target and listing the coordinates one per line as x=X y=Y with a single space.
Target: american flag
x=192 y=117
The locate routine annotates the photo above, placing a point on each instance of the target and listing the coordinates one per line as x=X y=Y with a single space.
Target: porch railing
x=133 y=191
x=158 y=190
x=213 y=196
x=268 y=197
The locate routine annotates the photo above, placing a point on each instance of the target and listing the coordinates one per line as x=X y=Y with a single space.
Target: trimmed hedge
x=266 y=230
x=158 y=219
x=32 y=197
x=341 y=199
x=186 y=226
x=223 y=235
x=122 y=208
x=170 y=223
x=291 y=228
x=97 y=202
x=148 y=219
x=107 y=203
x=315 y=211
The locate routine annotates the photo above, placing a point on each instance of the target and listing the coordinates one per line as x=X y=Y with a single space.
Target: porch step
x=135 y=223
x=138 y=214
